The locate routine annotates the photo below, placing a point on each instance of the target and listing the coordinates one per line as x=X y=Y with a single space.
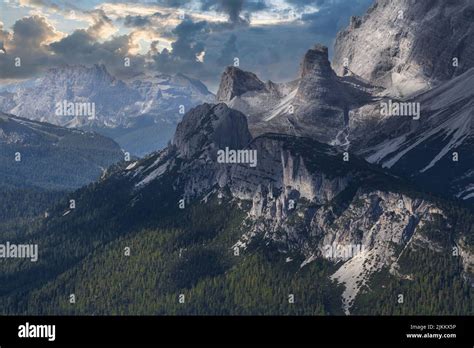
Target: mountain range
x=305 y=197
x=204 y=225
x=346 y=112
x=41 y=155
x=140 y=113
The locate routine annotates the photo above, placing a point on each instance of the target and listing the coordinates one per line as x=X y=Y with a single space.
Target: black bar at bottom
x=426 y=330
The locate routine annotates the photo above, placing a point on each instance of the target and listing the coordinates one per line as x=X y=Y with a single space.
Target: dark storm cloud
x=234 y=8
x=78 y=42
x=28 y=43
x=31 y=31
x=185 y=50
x=81 y=48
x=185 y=46
x=229 y=51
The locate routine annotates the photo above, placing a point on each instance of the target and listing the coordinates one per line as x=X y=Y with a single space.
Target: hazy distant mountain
x=41 y=155
x=140 y=114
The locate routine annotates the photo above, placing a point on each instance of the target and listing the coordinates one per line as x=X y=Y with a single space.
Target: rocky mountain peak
x=408 y=46
x=318 y=80
x=211 y=126
x=316 y=61
x=235 y=82
x=80 y=74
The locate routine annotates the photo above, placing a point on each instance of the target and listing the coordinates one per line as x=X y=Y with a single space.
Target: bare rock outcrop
x=407 y=46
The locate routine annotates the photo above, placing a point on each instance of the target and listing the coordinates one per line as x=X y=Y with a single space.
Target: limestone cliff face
x=304 y=199
x=407 y=46
x=369 y=234
x=204 y=131
x=316 y=88
x=467 y=258
x=445 y=126
x=283 y=175
x=209 y=127
x=301 y=197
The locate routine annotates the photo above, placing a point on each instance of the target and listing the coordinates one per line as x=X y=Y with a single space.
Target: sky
x=198 y=38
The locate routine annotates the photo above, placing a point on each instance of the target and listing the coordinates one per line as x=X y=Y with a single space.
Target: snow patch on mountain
x=139 y=113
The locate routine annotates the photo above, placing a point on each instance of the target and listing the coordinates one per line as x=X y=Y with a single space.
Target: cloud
x=29 y=42
x=141 y=21
x=39 y=46
x=33 y=32
x=234 y=8
x=40 y=3
x=102 y=26
x=333 y=15
x=260 y=33
x=81 y=47
x=229 y=51
x=185 y=51
x=136 y=21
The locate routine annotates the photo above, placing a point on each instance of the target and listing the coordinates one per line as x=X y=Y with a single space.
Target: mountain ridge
x=295 y=200
x=31 y=148
x=146 y=104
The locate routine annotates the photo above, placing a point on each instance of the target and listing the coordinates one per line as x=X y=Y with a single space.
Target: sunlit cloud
x=198 y=37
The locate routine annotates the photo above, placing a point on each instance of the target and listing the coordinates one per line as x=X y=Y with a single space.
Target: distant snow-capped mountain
x=120 y=107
